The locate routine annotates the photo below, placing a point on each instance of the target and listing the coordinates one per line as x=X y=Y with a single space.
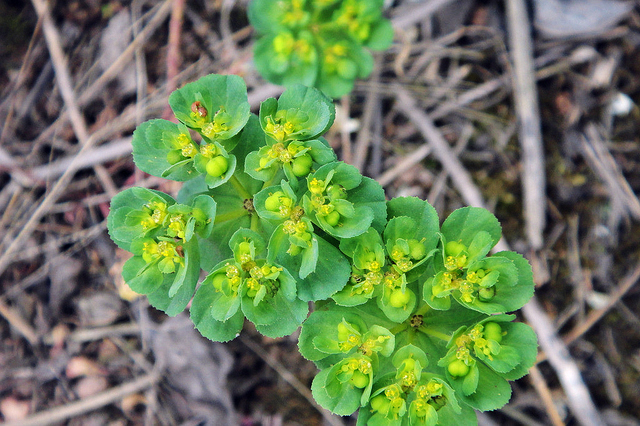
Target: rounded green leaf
x=463 y=224
x=216 y=105
x=155 y=141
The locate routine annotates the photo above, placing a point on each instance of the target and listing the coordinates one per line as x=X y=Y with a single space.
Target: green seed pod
x=359 y=379
x=272 y=203
x=454 y=248
x=399 y=299
x=302 y=165
x=380 y=403
x=458 y=368
x=333 y=218
x=217 y=166
x=417 y=250
x=485 y=294
x=336 y=192
x=493 y=331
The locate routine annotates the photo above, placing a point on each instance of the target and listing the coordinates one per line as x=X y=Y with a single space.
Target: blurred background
x=528 y=108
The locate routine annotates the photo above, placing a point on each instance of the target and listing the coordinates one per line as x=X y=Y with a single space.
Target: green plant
x=318 y=43
x=410 y=324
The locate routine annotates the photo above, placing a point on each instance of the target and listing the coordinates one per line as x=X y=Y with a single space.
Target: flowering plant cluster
x=319 y=43
x=410 y=324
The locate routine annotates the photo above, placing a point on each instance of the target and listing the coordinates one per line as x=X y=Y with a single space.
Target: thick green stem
x=230 y=215
x=242 y=191
x=423 y=309
x=398 y=328
x=434 y=333
x=254 y=222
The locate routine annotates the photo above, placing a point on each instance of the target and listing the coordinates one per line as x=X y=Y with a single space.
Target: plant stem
x=435 y=333
x=398 y=328
x=254 y=222
x=242 y=191
x=423 y=309
x=230 y=215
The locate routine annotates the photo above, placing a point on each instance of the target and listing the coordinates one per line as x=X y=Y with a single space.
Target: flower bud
x=399 y=298
x=302 y=165
x=217 y=166
x=458 y=368
x=333 y=218
x=493 y=331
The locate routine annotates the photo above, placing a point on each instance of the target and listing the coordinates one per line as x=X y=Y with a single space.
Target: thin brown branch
x=65 y=412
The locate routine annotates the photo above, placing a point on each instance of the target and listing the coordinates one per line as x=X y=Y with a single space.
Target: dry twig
x=526 y=101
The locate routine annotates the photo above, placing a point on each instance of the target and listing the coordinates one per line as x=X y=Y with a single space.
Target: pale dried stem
x=526 y=105
x=77 y=408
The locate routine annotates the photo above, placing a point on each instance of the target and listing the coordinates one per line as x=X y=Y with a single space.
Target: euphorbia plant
x=410 y=323
x=320 y=43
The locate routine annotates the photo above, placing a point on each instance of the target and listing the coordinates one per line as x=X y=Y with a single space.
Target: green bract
x=411 y=323
x=321 y=43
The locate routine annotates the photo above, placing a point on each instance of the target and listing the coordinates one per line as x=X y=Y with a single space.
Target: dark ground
x=77 y=348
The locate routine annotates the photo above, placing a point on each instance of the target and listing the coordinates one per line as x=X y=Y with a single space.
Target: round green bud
x=174 y=156
x=399 y=299
x=336 y=192
x=306 y=236
x=217 y=166
x=437 y=290
x=359 y=379
x=493 y=331
x=302 y=165
x=458 y=368
x=332 y=218
x=417 y=250
x=272 y=203
x=380 y=403
x=454 y=248
x=485 y=294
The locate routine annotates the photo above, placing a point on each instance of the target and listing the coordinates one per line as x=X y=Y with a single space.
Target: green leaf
x=397 y=314
x=128 y=201
x=188 y=274
x=209 y=327
x=331 y=273
x=338 y=173
x=320 y=150
x=218 y=94
x=524 y=341
x=207 y=205
x=423 y=214
x=248 y=235
x=152 y=143
x=381 y=36
x=309 y=112
x=492 y=391
x=319 y=335
x=252 y=167
x=142 y=277
x=286 y=68
x=222 y=304
x=463 y=224
x=517 y=295
x=346 y=398
x=370 y=194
